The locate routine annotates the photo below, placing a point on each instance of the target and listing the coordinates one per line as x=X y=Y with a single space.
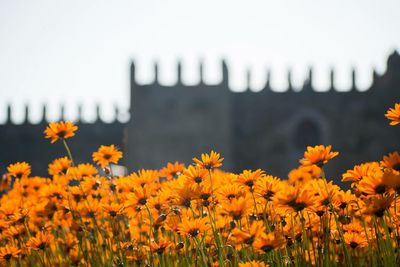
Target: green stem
x=68 y=151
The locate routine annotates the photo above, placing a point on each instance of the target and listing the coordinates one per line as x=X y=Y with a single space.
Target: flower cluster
x=198 y=215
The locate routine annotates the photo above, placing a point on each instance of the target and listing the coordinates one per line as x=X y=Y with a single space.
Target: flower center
x=267 y=248
x=353 y=244
x=380 y=189
x=194 y=232
x=62 y=134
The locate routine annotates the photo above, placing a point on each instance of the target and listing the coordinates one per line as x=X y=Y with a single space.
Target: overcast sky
x=74 y=51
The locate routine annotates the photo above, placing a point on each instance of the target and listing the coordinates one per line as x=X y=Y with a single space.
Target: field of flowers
x=199 y=215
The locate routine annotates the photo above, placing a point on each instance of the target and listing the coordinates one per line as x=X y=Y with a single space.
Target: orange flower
x=59 y=166
x=209 y=162
x=40 y=242
x=373 y=184
x=248 y=178
x=106 y=155
x=60 y=130
x=238 y=208
x=8 y=252
x=268 y=242
x=360 y=171
x=19 y=169
x=391 y=161
x=195 y=175
x=318 y=155
x=114 y=209
x=193 y=227
x=393 y=114
x=296 y=199
x=248 y=237
x=172 y=170
x=355 y=240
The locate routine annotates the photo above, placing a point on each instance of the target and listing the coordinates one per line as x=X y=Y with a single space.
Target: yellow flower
x=60 y=130
x=106 y=155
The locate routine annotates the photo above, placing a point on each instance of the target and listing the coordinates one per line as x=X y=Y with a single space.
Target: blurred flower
x=393 y=114
x=9 y=251
x=41 y=241
x=268 y=242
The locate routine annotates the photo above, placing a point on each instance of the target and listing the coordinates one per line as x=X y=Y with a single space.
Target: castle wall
x=251 y=130
x=26 y=142
x=272 y=130
x=178 y=123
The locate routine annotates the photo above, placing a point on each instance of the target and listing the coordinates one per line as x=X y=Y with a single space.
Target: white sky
x=74 y=51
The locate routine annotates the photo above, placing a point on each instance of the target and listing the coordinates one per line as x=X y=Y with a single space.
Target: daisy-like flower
x=296 y=199
x=267 y=187
x=59 y=166
x=193 y=227
x=393 y=114
x=377 y=205
x=41 y=241
x=238 y=208
x=195 y=175
x=114 y=209
x=172 y=170
x=160 y=246
x=106 y=155
x=248 y=178
x=9 y=251
x=355 y=240
x=209 y=161
x=268 y=242
x=373 y=184
x=248 y=237
x=19 y=169
x=391 y=161
x=360 y=171
x=318 y=155
x=60 y=130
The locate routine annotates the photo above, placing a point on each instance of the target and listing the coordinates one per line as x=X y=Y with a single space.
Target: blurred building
x=265 y=129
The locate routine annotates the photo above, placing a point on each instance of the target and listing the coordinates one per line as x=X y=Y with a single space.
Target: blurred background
x=167 y=80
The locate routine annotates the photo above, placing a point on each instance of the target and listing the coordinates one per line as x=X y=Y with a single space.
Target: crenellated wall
x=264 y=129
x=26 y=142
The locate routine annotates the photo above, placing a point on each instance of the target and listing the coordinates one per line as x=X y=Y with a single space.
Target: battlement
x=264 y=129
x=80 y=118
x=392 y=70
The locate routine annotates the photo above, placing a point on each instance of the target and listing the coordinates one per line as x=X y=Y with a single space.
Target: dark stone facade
x=265 y=130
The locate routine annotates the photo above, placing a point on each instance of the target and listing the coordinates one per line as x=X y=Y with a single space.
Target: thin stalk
x=68 y=151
